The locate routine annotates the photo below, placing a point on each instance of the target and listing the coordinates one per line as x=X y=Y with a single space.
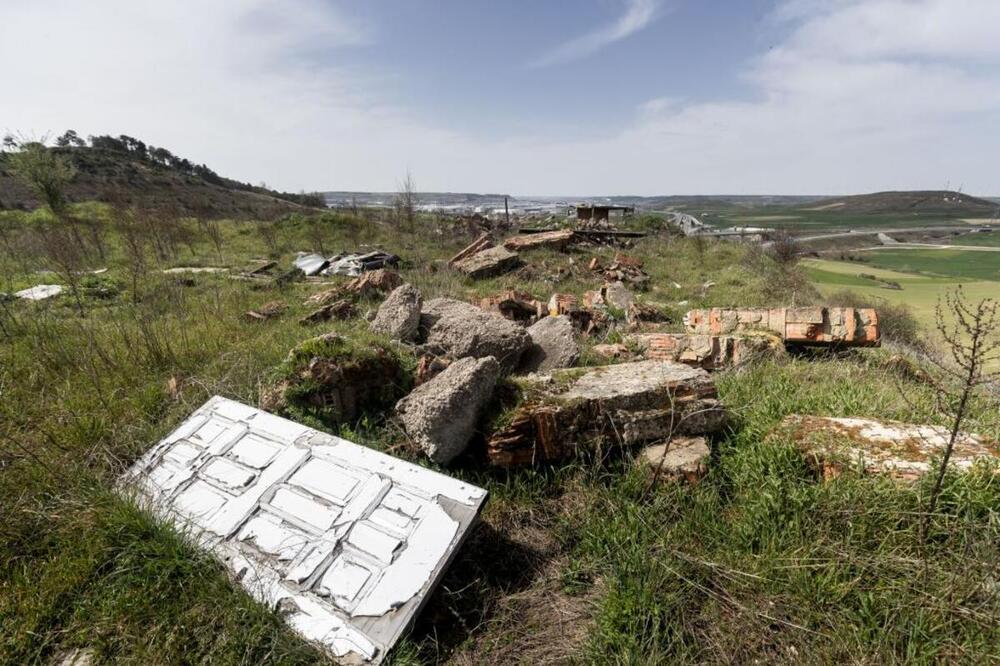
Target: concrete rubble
x=457 y=329
x=612 y=352
x=680 y=459
x=712 y=352
x=379 y=281
x=553 y=345
x=900 y=450
x=612 y=294
x=623 y=269
x=441 y=414
x=490 y=262
x=399 y=315
x=555 y=240
x=822 y=326
x=483 y=242
x=40 y=292
x=587 y=408
x=345 y=542
x=355 y=264
x=514 y=305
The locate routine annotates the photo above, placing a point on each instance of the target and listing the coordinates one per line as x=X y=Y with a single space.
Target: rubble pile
x=514 y=305
x=399 y=315
x=380 y=281
x=490 y=262
x=267 y=311
x=553 y=240
x=624 y=404
x=458 y=329
x=623 y=269
x=899 y=450
x=822 y=326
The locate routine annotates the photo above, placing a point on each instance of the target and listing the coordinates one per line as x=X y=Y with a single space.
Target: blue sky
x=527 y=97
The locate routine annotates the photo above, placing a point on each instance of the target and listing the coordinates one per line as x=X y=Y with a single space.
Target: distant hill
x=126 y=170
x=923 y=202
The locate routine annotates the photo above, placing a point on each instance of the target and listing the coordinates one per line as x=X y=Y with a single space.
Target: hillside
x=923 y=202
x=132 y=173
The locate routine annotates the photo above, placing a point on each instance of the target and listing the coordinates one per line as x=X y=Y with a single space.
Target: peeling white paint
x=345 y=541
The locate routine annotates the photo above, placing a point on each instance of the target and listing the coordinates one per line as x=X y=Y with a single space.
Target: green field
x=949 y=263
x=990 y=239
x=919 y=292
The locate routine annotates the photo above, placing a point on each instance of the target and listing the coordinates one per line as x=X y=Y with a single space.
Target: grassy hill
x=924 y=202
x=112 y=169
x=580 y=562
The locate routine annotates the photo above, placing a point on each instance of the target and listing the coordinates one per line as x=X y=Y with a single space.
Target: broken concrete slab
x=333 y=380
x=612 y=294
x=514 y=305
x=612 y=352
x=429 y=367
x=822 y=326
x=586 y=408
x=378 y=281
x=488 y=263
x=40 y=292
x=441 y=414
x=554 y=240
x=342 y=309
x=311 y=264
x=345 y=542
x=712 y=352
x=682 y=458
x=478 y=245
x=399 y=315
x=553 y=345
x=900 y=450
x=460 y=329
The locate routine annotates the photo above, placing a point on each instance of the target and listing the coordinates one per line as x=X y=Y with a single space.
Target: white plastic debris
x=311 y=264
x=40 y=292
x=345 y=541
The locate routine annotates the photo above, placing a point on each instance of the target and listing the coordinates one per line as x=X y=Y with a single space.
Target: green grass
x=991 y=239
x=965 y=264
x=581 y=562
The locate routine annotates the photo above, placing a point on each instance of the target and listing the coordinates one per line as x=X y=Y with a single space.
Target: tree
x=45 y=172
x=70 y=139
x=405 y=203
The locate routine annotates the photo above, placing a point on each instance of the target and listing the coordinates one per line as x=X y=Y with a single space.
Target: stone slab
x=346 y=542
x=900 y=450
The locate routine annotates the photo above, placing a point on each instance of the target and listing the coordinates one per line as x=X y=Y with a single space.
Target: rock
x=429 y=367
x=342 y=309
x=379 y=281
x=74 y=657
x=900 y=450
x=333 y=381
x=822 y=326
x=611 y=352
x=682 y=458
x=556 y=240
x=441 y=414
x=617 y=295
x=553 y=345
x=561 y=304
x=488 y=263
x=628 y=403
x=399 y=315
x=460 y=329
x=711 y=352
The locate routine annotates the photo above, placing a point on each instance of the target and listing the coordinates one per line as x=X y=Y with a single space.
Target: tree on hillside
x=70 y=139
x=45 y=172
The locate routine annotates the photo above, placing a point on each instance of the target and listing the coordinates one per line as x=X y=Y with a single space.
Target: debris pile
x=823 y=326
x=458 y=329
x=265 y=312
x=490 y=262
x=623 y=269
x=514 y=305
x=624 y=404
x=900 y=450
x=554 y=240
x=352 y=264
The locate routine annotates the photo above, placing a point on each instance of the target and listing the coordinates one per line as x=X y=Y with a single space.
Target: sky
x=527 y=97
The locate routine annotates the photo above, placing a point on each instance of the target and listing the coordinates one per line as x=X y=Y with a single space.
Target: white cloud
x=638 y=14
x=859 y=96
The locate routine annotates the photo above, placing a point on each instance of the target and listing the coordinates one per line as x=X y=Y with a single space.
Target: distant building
x=586 y=211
